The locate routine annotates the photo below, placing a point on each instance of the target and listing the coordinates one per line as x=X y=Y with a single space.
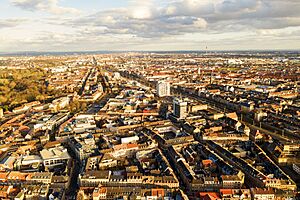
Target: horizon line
x=142 y=51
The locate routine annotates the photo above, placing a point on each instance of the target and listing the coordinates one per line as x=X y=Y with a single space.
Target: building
x=5 y=191
x=40 y=177
x=210 y=195
x=29 y=162
x=262 y=194
x=55 y=156
x=1 y=113
x=25 y=107
x=84 y=123
x=233 y=181
x=127 y=140
x=33 y=192
x=7 y=163
x=287 y=153
x=117 y=75
x=163 y=89
x=55 y=121
x=180 y=108
x=296 y=168
x=60 y=103
x=83 y=146
x=260 y=115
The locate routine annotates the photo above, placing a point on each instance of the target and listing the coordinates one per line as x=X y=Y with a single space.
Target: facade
x=60 y=103
x=289 y=153
x=105 y=177
x=1 y=113
x=55 y=156
x=296 y=168
x=180 y=108
x=40 y=177
x=163 y=89
x=83 y=146
x=127 y=140
x=262 y=194
x=33 y=192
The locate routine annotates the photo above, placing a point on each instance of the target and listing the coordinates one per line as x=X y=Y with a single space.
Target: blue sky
x=80 y=25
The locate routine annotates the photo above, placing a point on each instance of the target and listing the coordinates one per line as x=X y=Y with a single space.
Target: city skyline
x=127 y=25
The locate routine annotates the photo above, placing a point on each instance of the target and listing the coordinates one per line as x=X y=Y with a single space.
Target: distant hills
x=238 y=52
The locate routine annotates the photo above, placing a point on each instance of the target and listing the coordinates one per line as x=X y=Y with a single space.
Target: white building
x=127 y=140
x=84 y=123
x=60 y=103
x=1 y=113
x=163 y=88
x=234 y=62
x=55 y=156
x=30 y=161
x=117 y=75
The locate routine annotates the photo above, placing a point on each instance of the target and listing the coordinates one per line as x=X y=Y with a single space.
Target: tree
x=84 y=106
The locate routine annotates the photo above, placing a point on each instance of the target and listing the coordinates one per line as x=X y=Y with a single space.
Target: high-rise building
x=163 y=88
x=180 y=108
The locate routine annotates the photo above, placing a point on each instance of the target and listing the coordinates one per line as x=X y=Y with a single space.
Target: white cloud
x=141 y=13
x=158 y=24
x=50 y=6
x=9 y=23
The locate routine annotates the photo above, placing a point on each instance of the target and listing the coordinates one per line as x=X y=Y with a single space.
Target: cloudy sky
x=81 y=25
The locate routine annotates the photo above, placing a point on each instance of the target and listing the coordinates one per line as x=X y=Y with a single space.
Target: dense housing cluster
x=155 y=126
